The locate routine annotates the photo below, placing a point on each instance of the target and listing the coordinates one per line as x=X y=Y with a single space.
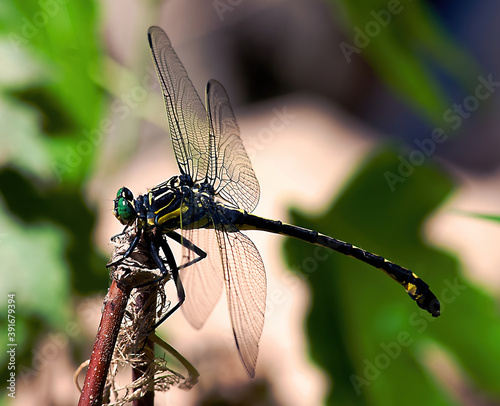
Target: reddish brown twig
x=115 y=304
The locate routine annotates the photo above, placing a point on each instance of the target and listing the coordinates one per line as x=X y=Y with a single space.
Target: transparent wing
x=211 y=150
x=232 y=257
x=246 y=293
x=229 y=169
x=246 y=289
x=187 y=117
x=203 y=280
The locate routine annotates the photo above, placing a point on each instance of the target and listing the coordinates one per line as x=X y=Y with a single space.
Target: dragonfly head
x=124 y=209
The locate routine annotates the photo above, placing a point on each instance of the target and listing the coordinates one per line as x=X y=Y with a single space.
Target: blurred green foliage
x=408 y=47
x=363 y=330
x=49 y=104
x=482 y=216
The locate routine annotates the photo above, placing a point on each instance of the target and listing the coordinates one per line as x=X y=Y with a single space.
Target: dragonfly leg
x=190 y=246
x=154 y=249
x=181 y=295
x=174 y=268
x=117 y=235
x=133 y=244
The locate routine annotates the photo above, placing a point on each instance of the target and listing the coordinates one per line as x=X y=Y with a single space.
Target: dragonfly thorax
x=175 y=201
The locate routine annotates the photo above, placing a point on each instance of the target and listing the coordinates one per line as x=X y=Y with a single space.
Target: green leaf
x=482 y=216
x=59 y=40
x=33 y=268
x=21 y=144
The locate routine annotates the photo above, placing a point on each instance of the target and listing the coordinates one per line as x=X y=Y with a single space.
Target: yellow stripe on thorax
x=173 y=214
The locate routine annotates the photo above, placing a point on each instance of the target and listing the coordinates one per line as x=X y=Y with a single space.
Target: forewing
x=187 y=117
x=229 y=168
x=203 y=280
x=246 y=291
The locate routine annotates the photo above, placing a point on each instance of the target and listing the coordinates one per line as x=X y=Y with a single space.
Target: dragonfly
x=207 y=206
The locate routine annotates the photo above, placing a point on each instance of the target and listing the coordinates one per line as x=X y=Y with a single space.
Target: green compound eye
x=124 y=209
x=125 y=193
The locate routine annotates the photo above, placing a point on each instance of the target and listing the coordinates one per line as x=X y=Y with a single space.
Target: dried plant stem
x=146 y=347
x=114 y=309
x=192 y=372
